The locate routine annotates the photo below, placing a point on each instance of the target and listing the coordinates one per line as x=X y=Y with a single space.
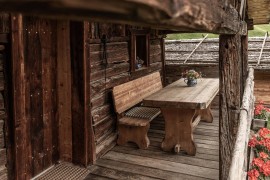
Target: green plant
x=261 y=112
x=260 y=142
x=191 y=74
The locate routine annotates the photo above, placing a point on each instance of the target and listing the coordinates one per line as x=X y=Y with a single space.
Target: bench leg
x=178 y=130
x=136 y=134
x=206 y=115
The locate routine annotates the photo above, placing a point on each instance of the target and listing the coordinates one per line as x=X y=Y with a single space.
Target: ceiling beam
x=177 y=15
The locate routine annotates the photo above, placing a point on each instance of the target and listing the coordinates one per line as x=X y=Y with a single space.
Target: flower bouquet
x=191 y=77
x=261 y=115
x=260 y=143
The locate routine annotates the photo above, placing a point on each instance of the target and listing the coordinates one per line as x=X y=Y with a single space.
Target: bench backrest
x=133 y=92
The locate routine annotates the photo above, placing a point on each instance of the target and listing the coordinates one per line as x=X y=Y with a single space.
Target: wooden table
x=183 y=107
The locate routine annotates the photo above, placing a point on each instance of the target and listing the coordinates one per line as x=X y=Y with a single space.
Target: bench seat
x=133 y=120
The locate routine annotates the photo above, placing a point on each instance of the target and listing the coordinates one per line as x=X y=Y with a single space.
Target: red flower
x=261 y=102
x=253 y=142
x=264 y=132
x=263 y=155
x=258 y=162
x=253 y=174
x=266 y=168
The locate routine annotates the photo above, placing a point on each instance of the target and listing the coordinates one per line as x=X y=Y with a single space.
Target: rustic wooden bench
x=133 y=119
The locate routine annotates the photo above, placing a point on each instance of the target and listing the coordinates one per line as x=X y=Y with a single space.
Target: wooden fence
x=239 y=165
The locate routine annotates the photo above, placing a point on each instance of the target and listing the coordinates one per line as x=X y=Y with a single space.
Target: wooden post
x=22 y=146
x=82 y=133
x=230 y=97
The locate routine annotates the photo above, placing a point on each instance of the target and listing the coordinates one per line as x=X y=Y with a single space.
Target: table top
x=179 y=95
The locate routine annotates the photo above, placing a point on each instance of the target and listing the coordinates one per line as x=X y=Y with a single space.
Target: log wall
x=117 y=71
x=4 y=51
x=262 y=86
x=205 y=59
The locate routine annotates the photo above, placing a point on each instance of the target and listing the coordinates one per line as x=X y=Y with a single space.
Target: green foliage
x=268 y=122
x=190 y=36
x=259 y=31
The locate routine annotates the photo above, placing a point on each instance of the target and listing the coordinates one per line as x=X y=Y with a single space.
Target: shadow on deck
x=129 y=162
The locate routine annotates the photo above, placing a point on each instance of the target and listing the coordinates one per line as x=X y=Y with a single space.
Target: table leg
x=178 y=130
x=206 y=114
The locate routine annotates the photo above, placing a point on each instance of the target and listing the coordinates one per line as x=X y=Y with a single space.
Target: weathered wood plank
x=101 y=112
x=100 y=86
x=143 y=170
x=172 y=15
x=163 y=165
x=110 y=71
x=33 y=66
x=103 y=129
x=64 y=90
x=178 y=95
x=161 y=155
x=54 y=98
x=116 y=174
x=90 y=141
x=261 y=90
x=21 y=147
x=96 y=177
x=106 y=145
x=129 y=94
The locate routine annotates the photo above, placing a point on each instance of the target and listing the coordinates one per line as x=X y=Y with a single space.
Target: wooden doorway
x=50 y=115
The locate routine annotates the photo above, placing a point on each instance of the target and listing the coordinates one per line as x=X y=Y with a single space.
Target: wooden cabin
x=206 y=60
x=61 y=59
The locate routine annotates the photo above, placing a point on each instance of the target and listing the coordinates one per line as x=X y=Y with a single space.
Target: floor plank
x=163 y=165
x=130 y=162
x=143 y=170
x=116 y=174
x=161 y=155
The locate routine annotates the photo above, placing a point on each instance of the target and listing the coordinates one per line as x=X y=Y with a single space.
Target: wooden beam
x=179 y=15
x=80 y=92
x=230 y=97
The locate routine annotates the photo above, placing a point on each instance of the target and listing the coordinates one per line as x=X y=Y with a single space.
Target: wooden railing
x=239 y=163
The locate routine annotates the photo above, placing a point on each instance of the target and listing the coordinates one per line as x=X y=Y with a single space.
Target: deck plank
x=130 y=162
x=161 y=155
x=116 y=174
x=143 y=170
x=163 y=165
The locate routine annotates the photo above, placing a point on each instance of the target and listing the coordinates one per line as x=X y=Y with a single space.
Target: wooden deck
x=129 y=162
